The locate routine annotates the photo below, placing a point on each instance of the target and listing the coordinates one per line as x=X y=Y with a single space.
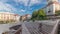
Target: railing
x=19 y=31
x=34 y=28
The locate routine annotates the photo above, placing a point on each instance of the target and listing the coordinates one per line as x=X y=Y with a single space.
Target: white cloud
x=25 y=2
x=4 y=1
x=22 y=10
x=6 y=7
x=32 y=2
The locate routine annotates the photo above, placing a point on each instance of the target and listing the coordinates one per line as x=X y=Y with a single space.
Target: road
x=31 y=27
x=5 y=27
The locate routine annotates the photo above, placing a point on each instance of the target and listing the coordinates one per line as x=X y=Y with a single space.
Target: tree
x=38 y=15
x=34 y=15
x=57 y=12
x=41 y=14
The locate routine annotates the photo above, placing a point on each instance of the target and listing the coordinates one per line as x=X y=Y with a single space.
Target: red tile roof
x=16 y=15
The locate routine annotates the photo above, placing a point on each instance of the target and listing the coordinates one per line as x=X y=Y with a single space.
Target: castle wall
x=49 y=10
x=51 y=7
x=57 y=7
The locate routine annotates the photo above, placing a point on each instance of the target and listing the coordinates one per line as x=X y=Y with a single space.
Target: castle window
x=49 y=11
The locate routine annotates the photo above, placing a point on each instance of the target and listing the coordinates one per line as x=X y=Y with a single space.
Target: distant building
x=22 y=18
x=51 y=7
x=25 y=17
x=28 y=16
x=4 y=16
x=17 y=17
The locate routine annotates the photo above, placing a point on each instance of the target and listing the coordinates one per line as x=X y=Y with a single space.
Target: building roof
x=51 y=4
x=16 y=15
x=9 y=13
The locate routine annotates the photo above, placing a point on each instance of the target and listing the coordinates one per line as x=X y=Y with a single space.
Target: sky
x=21 y=7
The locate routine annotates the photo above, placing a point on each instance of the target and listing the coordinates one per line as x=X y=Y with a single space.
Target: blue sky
x=21 y=7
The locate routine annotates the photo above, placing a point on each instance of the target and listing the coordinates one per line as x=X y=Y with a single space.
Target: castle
x=51 y=7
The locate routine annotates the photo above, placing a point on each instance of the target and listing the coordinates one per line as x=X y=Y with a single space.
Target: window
x=49 y=11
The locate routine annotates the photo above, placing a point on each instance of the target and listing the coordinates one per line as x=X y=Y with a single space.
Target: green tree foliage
x=57 y=12
x=41 y=14
x=34 y=14
x=38 y=15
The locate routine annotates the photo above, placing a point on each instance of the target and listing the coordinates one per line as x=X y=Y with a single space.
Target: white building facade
x=6 y=16
x=51 y=7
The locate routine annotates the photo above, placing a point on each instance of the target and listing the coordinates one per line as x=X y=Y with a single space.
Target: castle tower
x=51 y=7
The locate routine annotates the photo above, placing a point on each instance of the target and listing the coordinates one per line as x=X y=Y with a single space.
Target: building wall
x=57 y=7
x=18 y=18
x=8 y=16
x=25 y=17
x=52 y=6
x=28 y=16
x=49 y=10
